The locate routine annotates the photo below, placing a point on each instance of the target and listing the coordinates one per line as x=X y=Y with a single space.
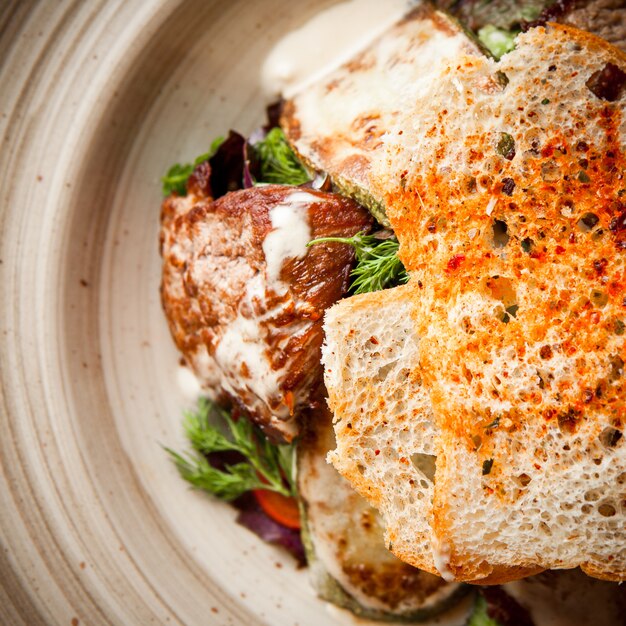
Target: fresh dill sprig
x=278 y=162
x=177 y=176
x=266 y=465
x=378 y=265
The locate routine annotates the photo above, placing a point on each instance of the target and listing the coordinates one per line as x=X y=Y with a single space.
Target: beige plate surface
x=97 y=98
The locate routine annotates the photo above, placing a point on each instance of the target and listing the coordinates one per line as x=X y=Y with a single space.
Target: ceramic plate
x=97 y=99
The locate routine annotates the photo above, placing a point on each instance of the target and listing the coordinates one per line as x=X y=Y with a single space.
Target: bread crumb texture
x=383 y=418
x=508 y=197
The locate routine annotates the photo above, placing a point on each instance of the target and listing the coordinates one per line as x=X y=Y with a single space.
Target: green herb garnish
x=175 y=181
x=266 y=465
x=278 y=162
x=479 y=616
x=506 y=146
x=378 y=265
x=498 y=41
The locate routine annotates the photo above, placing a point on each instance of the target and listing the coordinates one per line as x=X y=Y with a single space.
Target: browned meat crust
x=252 y=338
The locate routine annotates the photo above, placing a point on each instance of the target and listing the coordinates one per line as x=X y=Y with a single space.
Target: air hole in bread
x=383 y=372
x=533 y=137
x=484 y=183
x=606 y=509
x=610 y=437
x=470 y=184
x=502 y=79
x=588 y=222
x=425 y=464
x=608 y=83
x=592 y=496
x=617 y=368
x=598 y=298
x=500 y=234
x=492 y=165
x=523 y=480
x=550 y=172
x=527 y=244
x=568 y=421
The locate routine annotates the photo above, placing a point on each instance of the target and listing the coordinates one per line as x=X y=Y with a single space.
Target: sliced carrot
x=280 y=508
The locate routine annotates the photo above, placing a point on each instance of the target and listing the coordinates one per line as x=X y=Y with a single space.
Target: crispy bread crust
x=507 y=195
x=480 y=361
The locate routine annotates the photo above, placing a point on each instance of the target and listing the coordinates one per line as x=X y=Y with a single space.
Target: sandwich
x=481 y=407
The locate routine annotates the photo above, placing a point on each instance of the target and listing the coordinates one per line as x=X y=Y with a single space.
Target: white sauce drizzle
x=242 y=342
x=245 y=339
x=326 y=41
x=290 y=235
x=441 y=559
x=188 y=384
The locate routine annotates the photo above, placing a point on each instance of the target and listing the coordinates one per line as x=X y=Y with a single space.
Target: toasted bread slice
x=511 y=219
x=505 y=188
x=384 y=423
x=337 y=125
x=349 y=564
x=387 y=441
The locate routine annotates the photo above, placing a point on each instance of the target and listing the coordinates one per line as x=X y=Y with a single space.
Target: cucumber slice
x=338 y=124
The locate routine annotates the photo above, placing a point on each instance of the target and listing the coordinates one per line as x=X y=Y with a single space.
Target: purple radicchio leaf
x=252 y=517
x=227 y=165
x=273 y=112
x=251 y=165
x=504 y=609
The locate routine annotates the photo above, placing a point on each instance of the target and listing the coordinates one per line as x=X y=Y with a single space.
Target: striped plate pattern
x=97 y=98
